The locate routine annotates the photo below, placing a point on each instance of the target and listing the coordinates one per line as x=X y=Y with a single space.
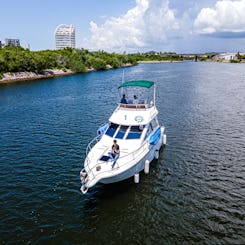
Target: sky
x=181 y=26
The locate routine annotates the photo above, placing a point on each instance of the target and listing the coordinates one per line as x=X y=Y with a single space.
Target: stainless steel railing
x=92 y=143
x=135 y=106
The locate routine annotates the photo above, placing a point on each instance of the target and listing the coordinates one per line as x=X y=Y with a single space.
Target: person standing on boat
x=115 y=152
x=135 y=100
x=123 y=99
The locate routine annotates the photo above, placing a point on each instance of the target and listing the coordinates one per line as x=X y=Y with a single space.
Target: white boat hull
x=127 y=173
x=136 y=168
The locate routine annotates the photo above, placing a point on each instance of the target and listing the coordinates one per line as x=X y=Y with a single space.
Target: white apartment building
x=227 y=56
x=65 y=37
x=12 y=42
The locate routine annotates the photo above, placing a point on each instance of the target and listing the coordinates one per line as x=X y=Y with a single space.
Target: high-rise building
x=65 y=37
x=12 y=42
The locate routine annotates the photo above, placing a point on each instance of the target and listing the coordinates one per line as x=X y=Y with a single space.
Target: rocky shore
x=25 y=76
x=12 y=77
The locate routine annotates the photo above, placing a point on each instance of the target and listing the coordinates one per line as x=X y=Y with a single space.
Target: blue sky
x=129 y=25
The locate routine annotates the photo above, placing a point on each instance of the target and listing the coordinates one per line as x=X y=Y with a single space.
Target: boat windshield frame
x=120 y=131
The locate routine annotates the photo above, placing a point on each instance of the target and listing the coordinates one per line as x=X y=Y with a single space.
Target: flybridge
x=141 y=90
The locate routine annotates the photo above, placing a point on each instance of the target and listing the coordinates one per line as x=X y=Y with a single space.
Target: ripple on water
x=194 y=193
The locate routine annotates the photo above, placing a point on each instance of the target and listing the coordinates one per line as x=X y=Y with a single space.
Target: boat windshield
x=124 y=132
x=121 y=132
x=135 y=132
x=112 y=129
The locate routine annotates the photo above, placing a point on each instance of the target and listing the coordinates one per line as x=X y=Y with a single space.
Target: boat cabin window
x=112 y=129
x=135 y=132
x=121 y=132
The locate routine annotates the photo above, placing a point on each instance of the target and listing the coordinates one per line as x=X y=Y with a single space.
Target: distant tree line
x=154 y=56
x=239 y=58
x=18 y=59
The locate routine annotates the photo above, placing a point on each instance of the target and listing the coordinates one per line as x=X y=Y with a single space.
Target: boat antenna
x=154 y=93
x=123 y=79
x=123 y=75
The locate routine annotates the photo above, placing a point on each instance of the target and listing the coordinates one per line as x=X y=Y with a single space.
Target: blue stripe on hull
x=155 y=136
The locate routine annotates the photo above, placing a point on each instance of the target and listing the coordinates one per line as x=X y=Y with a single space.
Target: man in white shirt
x=135 y=100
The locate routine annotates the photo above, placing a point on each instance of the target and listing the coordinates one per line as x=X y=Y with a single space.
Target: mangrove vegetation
x=18 y=59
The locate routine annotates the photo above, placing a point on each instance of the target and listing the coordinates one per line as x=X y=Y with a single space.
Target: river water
x=194 y=194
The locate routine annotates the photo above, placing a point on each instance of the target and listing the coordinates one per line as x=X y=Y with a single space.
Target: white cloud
x=149 y=22
x=225 y=17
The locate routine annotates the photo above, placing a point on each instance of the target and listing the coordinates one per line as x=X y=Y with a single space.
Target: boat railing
x=92 y=143
x=133 y=155
x=135 y=106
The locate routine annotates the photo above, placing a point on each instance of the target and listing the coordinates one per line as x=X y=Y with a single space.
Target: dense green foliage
x=235 y=61
x=203 y=58
x=240 y=58
x=18 y=59
x=157 y=57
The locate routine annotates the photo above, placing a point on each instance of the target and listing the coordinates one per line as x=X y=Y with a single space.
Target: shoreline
x=159 y=61
x=15 y=77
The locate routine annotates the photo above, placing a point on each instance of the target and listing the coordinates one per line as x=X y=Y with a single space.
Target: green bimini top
x=140 y=83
